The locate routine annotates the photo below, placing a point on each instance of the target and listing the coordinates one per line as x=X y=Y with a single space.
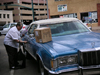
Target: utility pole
x=44 y=5
x=47 y=9
x=32 y=10
x=39 y=8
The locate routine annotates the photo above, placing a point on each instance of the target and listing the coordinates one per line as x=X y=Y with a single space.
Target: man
x=11 y=43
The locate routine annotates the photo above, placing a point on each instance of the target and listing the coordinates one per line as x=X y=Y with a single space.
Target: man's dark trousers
x=12 y=56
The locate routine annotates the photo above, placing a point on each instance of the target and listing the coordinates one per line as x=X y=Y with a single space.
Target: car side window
x=6 y=26
x=12 y=25
x=31 y=30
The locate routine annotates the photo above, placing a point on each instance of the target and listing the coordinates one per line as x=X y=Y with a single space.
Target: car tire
x=42 y=70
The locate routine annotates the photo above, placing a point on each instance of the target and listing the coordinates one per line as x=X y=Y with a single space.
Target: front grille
x=89 y=58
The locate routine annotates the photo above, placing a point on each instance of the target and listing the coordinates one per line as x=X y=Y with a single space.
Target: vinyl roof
x=54 y=20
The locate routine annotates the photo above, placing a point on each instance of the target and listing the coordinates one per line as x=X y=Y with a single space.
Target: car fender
x=45 y=58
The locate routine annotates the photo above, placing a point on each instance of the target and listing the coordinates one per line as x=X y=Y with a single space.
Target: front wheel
x=42 y=70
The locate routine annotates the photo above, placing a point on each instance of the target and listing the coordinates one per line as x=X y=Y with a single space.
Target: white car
x=6 y=27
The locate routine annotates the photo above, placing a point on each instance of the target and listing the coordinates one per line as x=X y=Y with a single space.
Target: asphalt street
x=31 y=65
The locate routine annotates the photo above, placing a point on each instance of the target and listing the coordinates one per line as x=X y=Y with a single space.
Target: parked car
x=74 y=48
x=6 y=27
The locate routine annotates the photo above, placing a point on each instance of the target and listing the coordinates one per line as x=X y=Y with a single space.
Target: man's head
x=19 y=26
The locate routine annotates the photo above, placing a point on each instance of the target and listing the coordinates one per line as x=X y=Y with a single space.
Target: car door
x=31 y=40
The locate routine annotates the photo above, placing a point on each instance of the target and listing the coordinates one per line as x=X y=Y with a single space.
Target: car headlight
x=72 y=60
x=67 y=60
x=63 y=61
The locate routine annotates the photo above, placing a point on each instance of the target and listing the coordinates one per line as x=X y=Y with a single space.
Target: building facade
x=22 y=9
x=86 y=10
x=5 y=17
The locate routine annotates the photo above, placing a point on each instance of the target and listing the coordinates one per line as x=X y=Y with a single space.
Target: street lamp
x=32 y=10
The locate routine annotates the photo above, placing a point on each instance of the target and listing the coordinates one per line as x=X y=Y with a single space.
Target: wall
x=6 y=20
x=73 y=6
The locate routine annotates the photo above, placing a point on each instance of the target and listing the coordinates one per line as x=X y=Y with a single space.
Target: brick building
x=22 y=9
x=85 y=10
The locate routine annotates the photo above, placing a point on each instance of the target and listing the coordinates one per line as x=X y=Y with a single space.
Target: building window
x=26 y=3
x=13 y=20
x=41 y=9
x=7 y=15
x=74 y=15
x=41 y=4
x=56 y=16
x=25 y=9
x=89 y=17
x=8 y=3
x=0 y=15
x=13 y=14
x=9 y=9
x=35 y=3
x=42 y=14
x=4 y=15
x=26 y=14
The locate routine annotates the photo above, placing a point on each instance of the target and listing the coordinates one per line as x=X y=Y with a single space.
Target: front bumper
x=85 y=72
x=88 y=70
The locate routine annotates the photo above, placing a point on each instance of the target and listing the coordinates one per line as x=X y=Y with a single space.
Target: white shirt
x=13 y=34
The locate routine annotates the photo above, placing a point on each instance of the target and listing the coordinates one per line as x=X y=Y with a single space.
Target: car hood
x=73 y=43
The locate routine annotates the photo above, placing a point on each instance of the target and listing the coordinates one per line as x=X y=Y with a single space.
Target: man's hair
x=19 y=24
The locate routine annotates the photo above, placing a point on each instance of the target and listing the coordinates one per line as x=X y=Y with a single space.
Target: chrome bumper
x=85 y=72
x=79 y=71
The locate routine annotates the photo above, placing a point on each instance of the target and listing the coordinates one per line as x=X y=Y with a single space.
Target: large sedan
x=74 y=47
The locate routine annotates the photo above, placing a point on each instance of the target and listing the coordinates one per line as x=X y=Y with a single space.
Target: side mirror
x=90 y=28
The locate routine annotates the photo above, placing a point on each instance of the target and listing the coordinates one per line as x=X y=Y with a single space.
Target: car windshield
x=66 y=28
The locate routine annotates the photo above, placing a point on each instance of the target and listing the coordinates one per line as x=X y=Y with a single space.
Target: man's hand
x=24 y=41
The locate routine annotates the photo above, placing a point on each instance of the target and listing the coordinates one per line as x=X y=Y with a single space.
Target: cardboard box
x=43 y=35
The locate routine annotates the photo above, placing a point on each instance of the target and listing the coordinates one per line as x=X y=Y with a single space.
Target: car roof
x=15 y=23
x=54 y=20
